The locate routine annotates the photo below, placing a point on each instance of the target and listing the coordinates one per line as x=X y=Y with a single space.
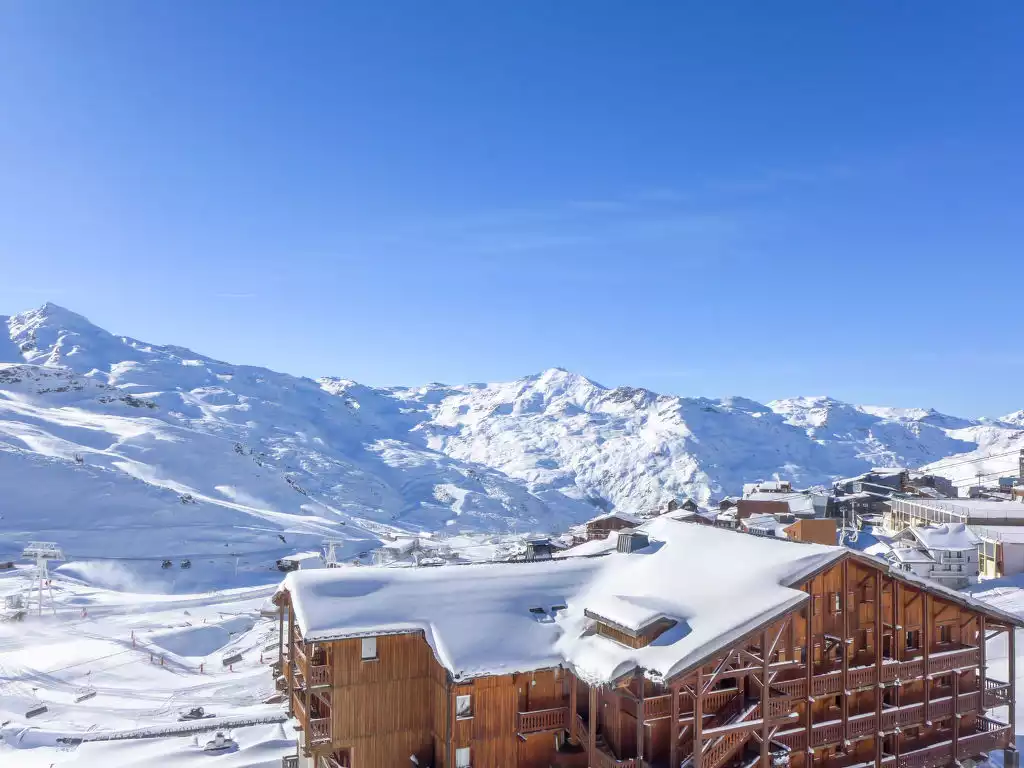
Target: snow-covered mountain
x=117 y=447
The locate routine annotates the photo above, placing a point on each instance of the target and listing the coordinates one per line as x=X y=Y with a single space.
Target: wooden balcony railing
x=661 y=706
x=543 y=720
x=658 y=706
x=997 y=694
x=319 y=675
x=944 y=661
x=320 y=730
x=796 y=689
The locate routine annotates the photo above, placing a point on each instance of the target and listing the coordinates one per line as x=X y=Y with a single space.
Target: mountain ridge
x=268 y=454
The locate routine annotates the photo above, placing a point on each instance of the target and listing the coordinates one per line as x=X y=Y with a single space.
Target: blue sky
x=765 y=199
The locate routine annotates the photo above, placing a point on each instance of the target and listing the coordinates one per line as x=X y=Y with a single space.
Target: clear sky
x=704 y=198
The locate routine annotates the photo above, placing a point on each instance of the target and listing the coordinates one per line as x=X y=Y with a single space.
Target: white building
x=947 y=553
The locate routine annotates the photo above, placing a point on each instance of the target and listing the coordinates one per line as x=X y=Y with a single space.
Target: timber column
x=878 y=634
x=640 y=723
x=673 y=726
x=573 y=736
x=1013 y=687
x=765 y=729
x=592 y=736
x=291 y=659
x=698 y=720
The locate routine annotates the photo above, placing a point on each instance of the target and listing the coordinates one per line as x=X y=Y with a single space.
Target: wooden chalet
x=836 y=662
x=601 y=526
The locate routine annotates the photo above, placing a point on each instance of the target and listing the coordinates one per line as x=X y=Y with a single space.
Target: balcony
x=867 y=725
x=661 y=706
x=319 y=676
x=554 y=719
x=997 y=694
x=320 y=730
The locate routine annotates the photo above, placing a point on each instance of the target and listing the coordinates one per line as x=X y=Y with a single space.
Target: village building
x=728 y=503
x=885 y=480
x=946 y=553
x=998 y=524
x=819 y=530
x=643 y=653
x=602 y=525
x=776 y=503
x=767 y=486
x=301 y=561
x=685 y=504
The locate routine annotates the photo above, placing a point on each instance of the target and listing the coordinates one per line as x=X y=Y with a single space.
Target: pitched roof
x=624 y=516
x=477 y=618
x=956 y=536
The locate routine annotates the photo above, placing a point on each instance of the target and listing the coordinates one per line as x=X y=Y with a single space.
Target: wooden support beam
x=280 y=636
x=592 y=724
x=1013 y=678
x=765 y=695
x=982 y=668
x=573 y=736
x=809 y=658
x=926 y=641
x=956 y=709
x=759 y=724
x=673 y=728
x=640 y=722
x=897 y=652
x=878 y=660
x=291 y=660
x=845 y=649
x=698 y=725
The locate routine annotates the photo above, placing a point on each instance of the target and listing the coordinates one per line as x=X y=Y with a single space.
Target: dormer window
x=639 y=634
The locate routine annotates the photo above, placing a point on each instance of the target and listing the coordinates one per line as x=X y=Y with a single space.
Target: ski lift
x=186 y=563
x=196 y=713
x=166 y=564
x=84 y=694
x=220 y=743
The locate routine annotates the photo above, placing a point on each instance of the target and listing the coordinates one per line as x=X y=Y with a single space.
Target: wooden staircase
x=716 y=752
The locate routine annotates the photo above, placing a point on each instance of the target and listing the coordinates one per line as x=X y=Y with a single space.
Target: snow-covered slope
x=116 y=447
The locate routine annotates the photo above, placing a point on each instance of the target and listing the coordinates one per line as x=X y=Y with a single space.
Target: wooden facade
x=869 y=670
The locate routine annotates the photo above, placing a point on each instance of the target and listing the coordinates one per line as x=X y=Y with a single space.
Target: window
x=464 y=709
x=369 y=649
x=945 y=633
x=462 y=757
x=816 y=604
x=913 y=638
x=837 y=602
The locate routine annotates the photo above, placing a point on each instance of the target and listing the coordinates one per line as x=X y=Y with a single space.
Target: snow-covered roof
x=955 y=536
x=766 y=522
x=299 y=557
x=624 y=516
x=910 y=555
x=478 y=621
x=798 y=503
x=766 y=486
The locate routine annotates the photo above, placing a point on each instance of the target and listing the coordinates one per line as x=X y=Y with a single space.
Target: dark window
x=945 y=633
x=913 y=638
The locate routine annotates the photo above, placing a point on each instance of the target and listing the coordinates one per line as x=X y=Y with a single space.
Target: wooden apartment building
x=839 y=662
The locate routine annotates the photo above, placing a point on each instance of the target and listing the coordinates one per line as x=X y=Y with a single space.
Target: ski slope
x=128 y=452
